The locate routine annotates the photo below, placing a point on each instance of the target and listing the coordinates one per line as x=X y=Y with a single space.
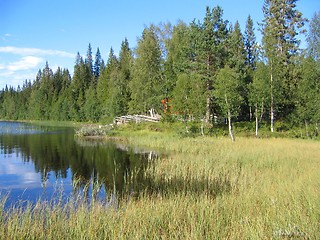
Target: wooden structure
x=136 y=119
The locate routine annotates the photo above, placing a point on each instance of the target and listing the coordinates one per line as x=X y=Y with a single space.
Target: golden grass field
x=203 y=188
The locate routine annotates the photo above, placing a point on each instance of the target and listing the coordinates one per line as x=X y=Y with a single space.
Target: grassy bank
x=55 y=123
x=205 y=188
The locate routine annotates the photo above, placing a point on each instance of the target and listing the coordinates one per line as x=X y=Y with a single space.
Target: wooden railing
x=135 y=118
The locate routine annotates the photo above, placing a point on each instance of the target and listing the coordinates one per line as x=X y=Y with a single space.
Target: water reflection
x=36 y=161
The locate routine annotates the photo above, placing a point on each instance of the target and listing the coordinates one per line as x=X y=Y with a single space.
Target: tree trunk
x=202 y=131
x=186 y=123
x=262 y=111
x=306 y=125
x=257 y=122
x=230 y=127
x=271 y=104
x=208 y=107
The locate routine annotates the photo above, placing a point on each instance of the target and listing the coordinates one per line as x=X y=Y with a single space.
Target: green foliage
x=250 y=44
x=259 y=89
x=308 y=93
x=280 y=28
x=227 y=91
x=185 y=64
x=147 y=84
x=189 y=96
x=91 y=106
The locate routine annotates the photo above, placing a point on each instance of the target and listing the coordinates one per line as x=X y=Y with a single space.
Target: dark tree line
x=206 y=70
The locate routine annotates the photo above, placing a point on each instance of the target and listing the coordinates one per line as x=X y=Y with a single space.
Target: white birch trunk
x=307 y=130
x=262 y=111
x=202 y=131
x=208 y=112
x=229 y=119
x=230 y=127
x=271 y=104
x=257 y=122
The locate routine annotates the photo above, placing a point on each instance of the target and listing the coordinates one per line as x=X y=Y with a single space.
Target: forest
x=208 y=71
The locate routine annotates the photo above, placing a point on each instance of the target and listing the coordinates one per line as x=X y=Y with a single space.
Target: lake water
x=38 y=162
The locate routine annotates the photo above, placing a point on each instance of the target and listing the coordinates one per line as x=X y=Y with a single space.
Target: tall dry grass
x=204 y=188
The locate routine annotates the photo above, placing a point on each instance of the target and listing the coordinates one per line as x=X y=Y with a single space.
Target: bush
x=86 y=131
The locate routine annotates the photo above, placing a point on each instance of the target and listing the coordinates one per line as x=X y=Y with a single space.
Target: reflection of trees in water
x=92 y=163
x=113 y=166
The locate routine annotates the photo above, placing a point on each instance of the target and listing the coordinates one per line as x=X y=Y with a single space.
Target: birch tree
x=259 y=93
x=227 y=92
x=147 y=81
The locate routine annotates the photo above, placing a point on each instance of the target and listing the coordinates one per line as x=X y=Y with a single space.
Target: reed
x=203 y=188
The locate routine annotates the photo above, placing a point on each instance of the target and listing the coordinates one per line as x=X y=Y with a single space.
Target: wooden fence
x=135 y=118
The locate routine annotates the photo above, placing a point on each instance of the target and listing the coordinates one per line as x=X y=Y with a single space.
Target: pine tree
x=236 y=49
x=251 y=52
x=210 y=54
x=237 y=60
x=280 y=28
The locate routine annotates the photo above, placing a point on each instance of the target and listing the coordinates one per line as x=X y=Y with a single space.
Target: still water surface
x=38 y=162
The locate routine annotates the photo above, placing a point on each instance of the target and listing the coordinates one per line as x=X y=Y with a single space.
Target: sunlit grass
x=204 y=188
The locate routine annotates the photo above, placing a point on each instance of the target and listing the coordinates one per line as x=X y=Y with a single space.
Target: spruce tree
x=104 y=85
x=89 y=60
x=97 y=65
x=91 y=106
x=250 y=44
x=251 y=55
x=125 y=76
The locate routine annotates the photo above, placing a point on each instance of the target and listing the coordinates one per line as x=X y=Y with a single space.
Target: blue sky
x=35 y=31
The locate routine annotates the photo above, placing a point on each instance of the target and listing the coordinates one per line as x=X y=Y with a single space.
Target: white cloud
x=35 y=52
x=18 y=63
x=6 y=73
x=5 y=37
x=24 y=63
